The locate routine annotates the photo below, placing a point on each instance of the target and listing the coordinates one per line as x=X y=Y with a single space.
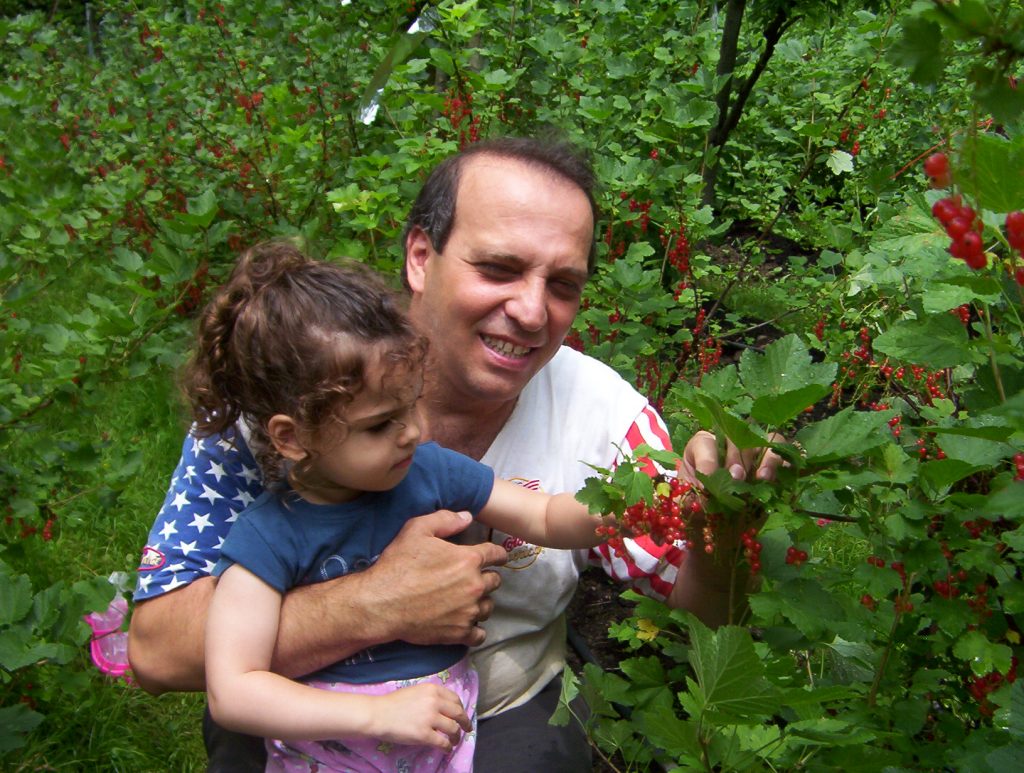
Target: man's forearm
x=320 y=624
x=715 y=593
x=323 y=623
x=165 y=639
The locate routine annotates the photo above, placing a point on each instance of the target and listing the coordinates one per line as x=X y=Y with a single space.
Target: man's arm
x=692 y=581
x=423 y=589
x=710 y=586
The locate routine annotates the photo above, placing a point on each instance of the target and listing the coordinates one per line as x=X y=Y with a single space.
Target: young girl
x=321 y=365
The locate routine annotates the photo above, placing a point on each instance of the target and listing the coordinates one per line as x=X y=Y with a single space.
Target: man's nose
x=528 y=306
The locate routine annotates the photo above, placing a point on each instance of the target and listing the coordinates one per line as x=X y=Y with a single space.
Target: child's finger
x=454 y=710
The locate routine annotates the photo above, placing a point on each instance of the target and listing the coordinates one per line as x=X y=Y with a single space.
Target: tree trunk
x=730 y=110
x=727 y=52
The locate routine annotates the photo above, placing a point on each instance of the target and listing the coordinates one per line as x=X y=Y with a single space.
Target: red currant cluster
x=1015 y=230
x=1018 y=462
x=679 y=255
x=795 y=556
x=458 y=107
x=644 y=208
x=949 y=588
x=666 y=520
x=981 y=686
x=964 y=228
x=978 y=527
x=1015 y=236
x=819 y=328
x=922 y=449
x=752 y=550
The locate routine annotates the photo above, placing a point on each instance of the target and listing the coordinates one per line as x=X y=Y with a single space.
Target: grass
x=128 y=434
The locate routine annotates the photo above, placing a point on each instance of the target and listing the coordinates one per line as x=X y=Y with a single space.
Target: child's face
x=374 y=448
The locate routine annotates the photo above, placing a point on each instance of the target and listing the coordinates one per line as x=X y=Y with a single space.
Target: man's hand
x=711 y=586
x=432 y=591
x=423 y=589
x=701 y=455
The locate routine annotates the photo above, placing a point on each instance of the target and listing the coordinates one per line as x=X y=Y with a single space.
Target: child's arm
x=244 y=695
x=554 y=521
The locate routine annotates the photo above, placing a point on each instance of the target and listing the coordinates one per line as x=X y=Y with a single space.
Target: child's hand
x=425 y=714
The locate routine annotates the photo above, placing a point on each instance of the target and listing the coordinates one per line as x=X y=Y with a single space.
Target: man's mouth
x=505 y=348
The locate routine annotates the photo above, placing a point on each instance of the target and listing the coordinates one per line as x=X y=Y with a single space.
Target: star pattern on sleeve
x=216 y=479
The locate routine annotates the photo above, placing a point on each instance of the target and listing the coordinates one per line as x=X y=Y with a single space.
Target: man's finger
x=491 y=555
x=701 y=453
x=486 y=609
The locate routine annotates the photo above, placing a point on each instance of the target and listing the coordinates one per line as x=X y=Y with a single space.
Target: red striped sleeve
x=650 y=569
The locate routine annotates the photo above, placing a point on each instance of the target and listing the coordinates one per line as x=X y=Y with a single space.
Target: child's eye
x=378 y=428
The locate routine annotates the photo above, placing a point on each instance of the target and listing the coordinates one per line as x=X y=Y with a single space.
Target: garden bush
x=813 y=295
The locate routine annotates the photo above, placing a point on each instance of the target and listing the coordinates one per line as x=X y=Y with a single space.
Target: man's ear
x=284 y=437
x=418 y=250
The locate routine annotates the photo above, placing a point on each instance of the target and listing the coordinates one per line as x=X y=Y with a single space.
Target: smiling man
x=499 y=245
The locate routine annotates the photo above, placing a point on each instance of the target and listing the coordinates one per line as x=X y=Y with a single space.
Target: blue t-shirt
x=287 y=542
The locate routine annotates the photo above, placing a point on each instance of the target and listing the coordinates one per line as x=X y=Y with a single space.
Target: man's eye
x=496 y=270
x=566 y=289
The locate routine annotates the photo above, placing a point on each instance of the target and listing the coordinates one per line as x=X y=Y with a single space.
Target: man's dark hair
x=434 y=208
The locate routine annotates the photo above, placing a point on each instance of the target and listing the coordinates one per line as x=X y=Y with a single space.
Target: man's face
x=498 y=301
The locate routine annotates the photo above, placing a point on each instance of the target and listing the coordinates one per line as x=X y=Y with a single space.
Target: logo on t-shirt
x=151 y=559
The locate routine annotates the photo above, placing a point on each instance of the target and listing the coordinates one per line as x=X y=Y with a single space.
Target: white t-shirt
x=575 y=410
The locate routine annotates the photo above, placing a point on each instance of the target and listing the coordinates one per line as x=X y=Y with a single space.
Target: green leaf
x=847 y=433
x=729 y=672
x=16 y=722
x=202 y=209
x=400 y=49
x=784 y=380
x=635 y=484
x=937 y=476
x=785 y=366
x=648 y=682
x=722 y=489
x=936 y=341
x=940 y=297
x=920 y=50
x=839 y=161
x=15 y=598
x=984 y=656
x=992 y=171
x=732 y=426
x=667 y=732
x=570 y=689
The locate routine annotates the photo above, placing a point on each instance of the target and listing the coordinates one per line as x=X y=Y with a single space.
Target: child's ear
x=284 y=437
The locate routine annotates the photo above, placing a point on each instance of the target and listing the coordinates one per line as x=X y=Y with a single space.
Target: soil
x=596 y=605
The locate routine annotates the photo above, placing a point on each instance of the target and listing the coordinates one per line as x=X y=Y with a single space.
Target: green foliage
x=141 y=150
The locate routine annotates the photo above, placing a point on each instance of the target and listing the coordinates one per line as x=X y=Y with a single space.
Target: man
x=499 y=245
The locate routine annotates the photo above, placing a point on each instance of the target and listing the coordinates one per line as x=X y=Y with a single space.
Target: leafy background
x=768 y=262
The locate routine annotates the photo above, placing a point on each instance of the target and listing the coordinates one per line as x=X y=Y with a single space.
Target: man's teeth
x=506 y=348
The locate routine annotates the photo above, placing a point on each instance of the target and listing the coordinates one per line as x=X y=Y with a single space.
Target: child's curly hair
x=290 y=335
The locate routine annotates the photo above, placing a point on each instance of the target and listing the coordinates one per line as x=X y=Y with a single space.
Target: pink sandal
x=109 y=644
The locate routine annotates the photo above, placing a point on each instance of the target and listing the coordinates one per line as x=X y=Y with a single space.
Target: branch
x=772 y=35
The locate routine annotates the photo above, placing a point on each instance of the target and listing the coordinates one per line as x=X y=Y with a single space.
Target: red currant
x=936 y=165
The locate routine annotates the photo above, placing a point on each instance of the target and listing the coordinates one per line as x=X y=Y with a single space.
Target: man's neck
x=468 y=429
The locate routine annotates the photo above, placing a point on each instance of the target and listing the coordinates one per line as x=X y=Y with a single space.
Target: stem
x=873 y=692
x=992 y=356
